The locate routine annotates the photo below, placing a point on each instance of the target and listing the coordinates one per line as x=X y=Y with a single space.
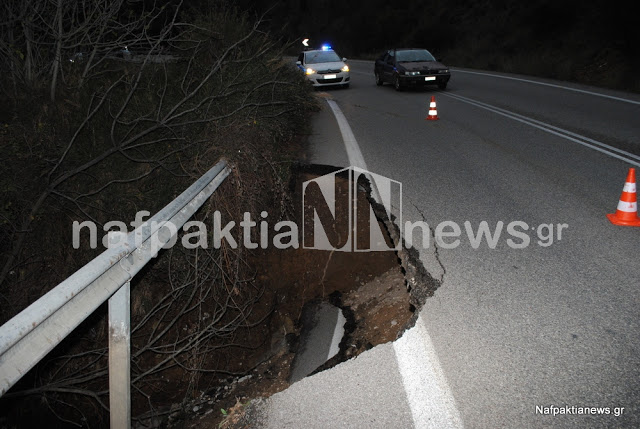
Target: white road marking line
x=428 y=395
x=597 y=94
x=430 y=400
x=561 y=132
x=535 y=82
x=353 y=150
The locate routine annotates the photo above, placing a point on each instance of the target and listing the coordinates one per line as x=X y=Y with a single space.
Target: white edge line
x=428 y=395
x=430 y=400
x=535 y=82
x=547 y=128
x=351 y=145
x=597 y=94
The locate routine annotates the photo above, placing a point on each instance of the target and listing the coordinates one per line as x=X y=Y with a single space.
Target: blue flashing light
x=326 y=47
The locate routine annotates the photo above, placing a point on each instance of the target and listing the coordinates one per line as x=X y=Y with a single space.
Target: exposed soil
x=370 y=287
x=378 y=292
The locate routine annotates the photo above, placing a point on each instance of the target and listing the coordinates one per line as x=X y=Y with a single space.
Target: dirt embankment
x=370 y=287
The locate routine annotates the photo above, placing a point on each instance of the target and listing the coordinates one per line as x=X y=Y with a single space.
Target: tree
x=123 y=131
x=40 y=36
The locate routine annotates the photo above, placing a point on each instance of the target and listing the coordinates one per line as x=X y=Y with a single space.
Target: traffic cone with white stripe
x=627 y=212
x=433 y=112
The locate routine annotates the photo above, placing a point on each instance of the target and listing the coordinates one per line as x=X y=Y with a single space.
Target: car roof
x=319 y=50
x=408 y=49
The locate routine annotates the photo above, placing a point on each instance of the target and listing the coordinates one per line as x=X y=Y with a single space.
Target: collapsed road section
x=324 y=307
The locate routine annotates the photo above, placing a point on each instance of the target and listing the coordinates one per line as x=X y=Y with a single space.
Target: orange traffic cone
x=627 y=212
x=433 y=112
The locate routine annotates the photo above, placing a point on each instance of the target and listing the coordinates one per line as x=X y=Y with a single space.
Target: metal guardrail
x=34 y=332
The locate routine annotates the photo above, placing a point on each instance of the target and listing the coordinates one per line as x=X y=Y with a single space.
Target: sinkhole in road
x=378 y=293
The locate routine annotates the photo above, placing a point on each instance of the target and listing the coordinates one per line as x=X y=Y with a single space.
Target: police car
x=323 y=67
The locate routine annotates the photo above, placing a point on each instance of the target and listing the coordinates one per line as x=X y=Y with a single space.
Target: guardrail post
x=119 y=351
x=36 y=330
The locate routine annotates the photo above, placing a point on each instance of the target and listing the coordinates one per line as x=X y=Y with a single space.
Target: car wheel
x=379 y=80
x=442 y=85
x=396 y=83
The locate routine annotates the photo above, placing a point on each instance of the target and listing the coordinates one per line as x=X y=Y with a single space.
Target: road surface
x=513 y=335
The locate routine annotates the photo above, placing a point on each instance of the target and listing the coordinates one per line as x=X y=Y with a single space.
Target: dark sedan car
x=410 y=67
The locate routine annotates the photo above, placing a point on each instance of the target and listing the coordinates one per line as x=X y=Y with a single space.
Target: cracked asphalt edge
x=419 y=282
x=436 y=252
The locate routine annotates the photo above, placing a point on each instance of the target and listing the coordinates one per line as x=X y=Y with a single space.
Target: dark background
x=589 y=42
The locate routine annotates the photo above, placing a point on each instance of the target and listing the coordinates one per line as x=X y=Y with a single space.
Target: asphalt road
x=511 y=333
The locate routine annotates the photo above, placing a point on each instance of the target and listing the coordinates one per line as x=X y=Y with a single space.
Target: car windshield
x=322 y=57
x=414 y=55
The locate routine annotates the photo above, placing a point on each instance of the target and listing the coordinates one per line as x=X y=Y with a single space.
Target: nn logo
x=337 y=215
